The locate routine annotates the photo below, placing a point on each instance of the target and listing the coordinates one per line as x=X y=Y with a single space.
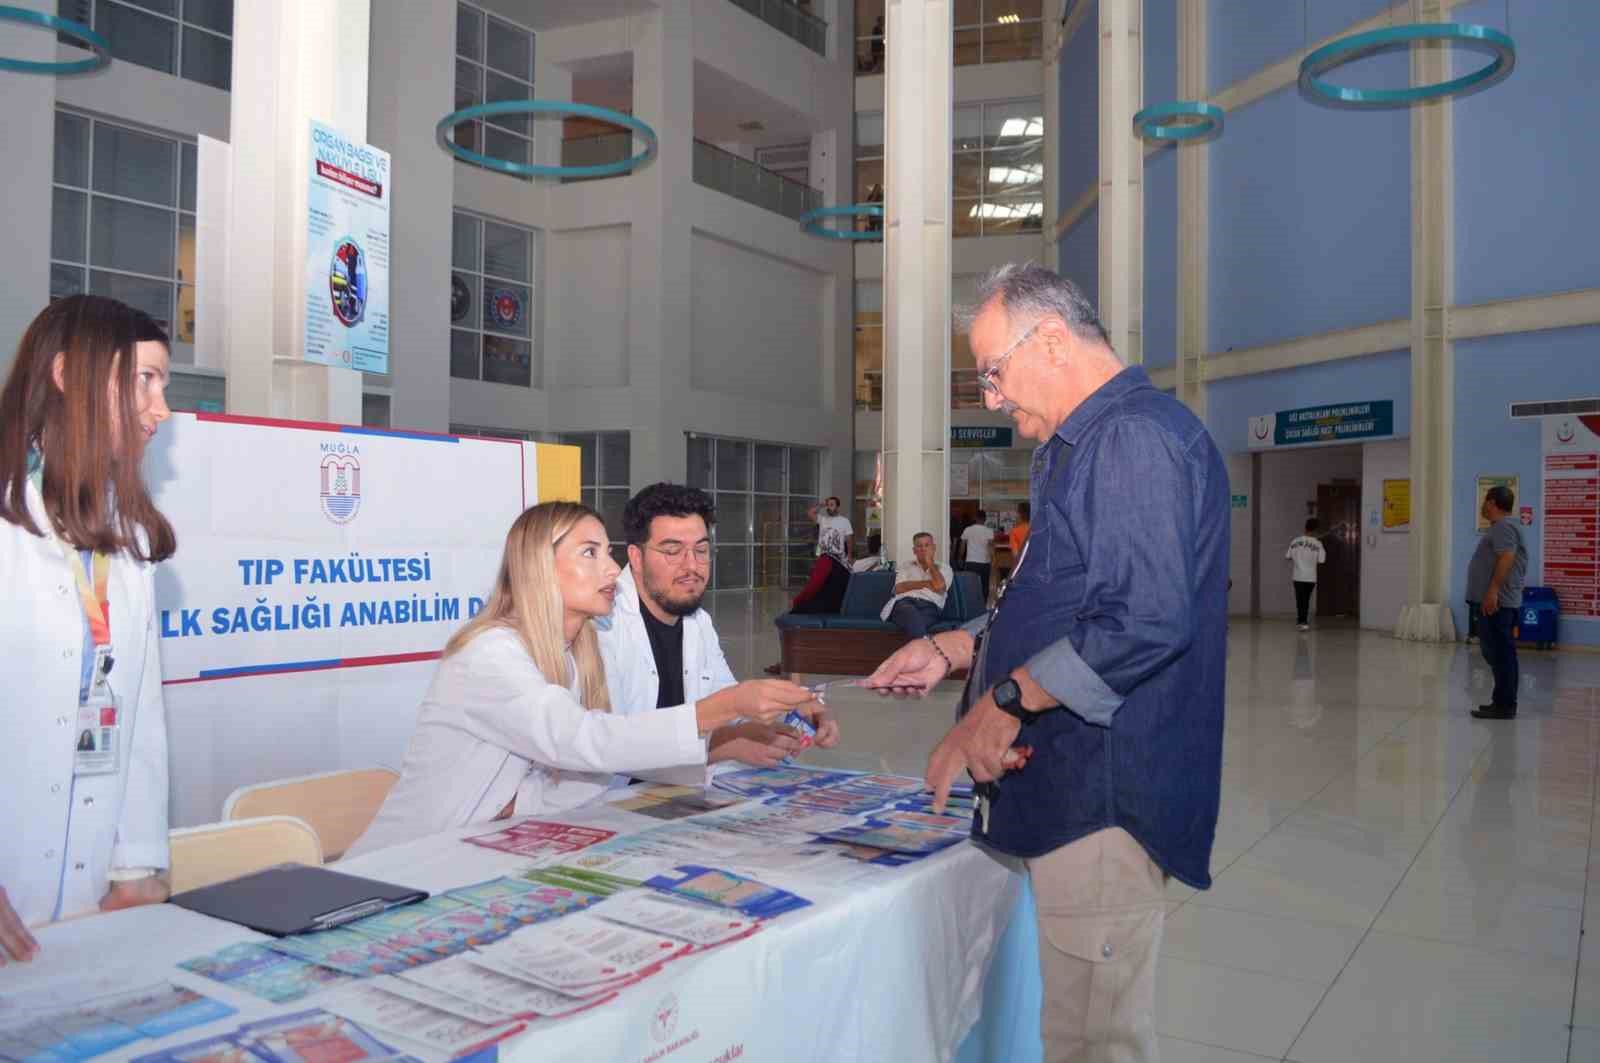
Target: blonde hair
x=527 y=601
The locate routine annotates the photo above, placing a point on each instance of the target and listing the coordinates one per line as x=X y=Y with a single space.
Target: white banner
x=320 y=569
x=1571 y=524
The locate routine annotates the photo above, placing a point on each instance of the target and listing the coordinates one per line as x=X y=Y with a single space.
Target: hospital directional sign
x=1321 y=425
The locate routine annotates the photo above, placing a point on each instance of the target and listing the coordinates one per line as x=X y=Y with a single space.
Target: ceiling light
x=1022 y=127
x=1010 y=19
x=1027 y=174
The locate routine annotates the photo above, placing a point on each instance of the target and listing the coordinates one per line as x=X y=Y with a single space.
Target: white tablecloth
x=885 y=967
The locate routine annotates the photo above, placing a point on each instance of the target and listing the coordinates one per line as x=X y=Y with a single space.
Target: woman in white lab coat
x=517 y=720
x=84 y=822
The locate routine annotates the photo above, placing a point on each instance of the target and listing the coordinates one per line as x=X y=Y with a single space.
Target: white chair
x=339 y=805
x=217 y=852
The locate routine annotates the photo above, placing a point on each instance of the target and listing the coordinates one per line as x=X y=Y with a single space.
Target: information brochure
x=254 y=968
x=755 y=899
x=93 y=1025
x=540 y=838
x=461 y=979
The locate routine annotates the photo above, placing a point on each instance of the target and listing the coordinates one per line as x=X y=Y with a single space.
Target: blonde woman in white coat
x=517 y=720
x=83 y=795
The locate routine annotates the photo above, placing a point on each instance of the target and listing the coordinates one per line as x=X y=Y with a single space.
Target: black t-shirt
x=666 y=645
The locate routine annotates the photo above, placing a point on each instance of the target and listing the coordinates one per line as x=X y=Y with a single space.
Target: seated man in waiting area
x=919 y=590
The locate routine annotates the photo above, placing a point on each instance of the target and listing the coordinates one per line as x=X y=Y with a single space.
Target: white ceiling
x=552 y=14
x=722 y=103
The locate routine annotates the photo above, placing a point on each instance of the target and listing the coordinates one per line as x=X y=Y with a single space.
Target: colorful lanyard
x=94 y=596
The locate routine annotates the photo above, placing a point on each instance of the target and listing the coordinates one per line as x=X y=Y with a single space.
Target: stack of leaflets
x=373 y=1005
x=859 y=793
x=727 y=890
x=315 y=1036
x=777 y=782
x=260 y=970
x=56 y=1032
x=672 y=802
x=541 y=838
x=899 y=836
x=472 y=991
x=699 y=925
x=581 y=956
x=528 y=900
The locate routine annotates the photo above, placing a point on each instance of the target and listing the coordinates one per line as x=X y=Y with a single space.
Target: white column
x=27 y=128
x=918 y=88
x=1427 y=615
x=1194 y=228
x=293 y=61
x=1121 y=177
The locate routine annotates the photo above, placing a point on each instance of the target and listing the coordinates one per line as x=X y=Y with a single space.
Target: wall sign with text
x=1348 y=422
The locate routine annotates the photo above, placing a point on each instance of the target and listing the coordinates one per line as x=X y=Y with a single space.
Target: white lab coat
x=491 y=728
x=61 y=835
x=631 y=674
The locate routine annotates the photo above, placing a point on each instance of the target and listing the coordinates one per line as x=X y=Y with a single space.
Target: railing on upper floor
x=743 y=179
x=792 y=20
x=595 y=150
x=964 y=391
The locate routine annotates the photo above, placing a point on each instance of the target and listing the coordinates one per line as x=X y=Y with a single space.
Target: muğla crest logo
x=341 y=482
x=664 y=1017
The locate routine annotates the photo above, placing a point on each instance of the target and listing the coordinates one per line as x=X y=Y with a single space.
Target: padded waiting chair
x=217 y=852
x=339 y=805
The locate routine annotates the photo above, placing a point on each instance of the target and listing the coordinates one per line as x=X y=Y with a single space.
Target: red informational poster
x=1571 y=525
x=539 y=838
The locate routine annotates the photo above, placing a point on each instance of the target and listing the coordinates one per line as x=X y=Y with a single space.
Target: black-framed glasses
x=986 y=379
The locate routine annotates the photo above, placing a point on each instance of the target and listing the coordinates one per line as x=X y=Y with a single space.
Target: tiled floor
x=1393 y=879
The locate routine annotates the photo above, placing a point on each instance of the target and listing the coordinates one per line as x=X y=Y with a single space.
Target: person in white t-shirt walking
x=1307 y=552
x=977 y=542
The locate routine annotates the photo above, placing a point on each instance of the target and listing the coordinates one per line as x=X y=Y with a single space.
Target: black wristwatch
x=1008 y=697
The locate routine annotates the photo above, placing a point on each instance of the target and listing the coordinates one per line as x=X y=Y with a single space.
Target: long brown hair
x=93 y=493
x=527 y=600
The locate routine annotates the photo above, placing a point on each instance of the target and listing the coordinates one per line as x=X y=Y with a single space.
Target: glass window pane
x=69 y=224
x=464 y=300
x=803 y=472
x=772 y=520
x=498 y=88
x=135 y=165
x=197 y=393
x=591 y=498
x=1010 y=170
x=464 y=354
x=869 y=134
x=212 y=14
x=1013 y=214
x=161 y=7
x=506 y=252
x=612 y=503
x=507 y=361
x=138 y=38
x=469 y=85
x=966 y=128
x=994 y=10
x=72 y=150
x=733 y=567
x=207 y=58
x=1012 y=42
x=733 y=517
x=1019 y=123
x=968 y=12
x=802 y=529
x=615 y=455
x=509 y=50
x=733 y=465
x=186 y=248
x=869 y=177
x=584 y=441
x=965 y=218
x=868 y=12
x=190 y=175
x=464 y=242
x=769 y=469
x=469 y=33
x=65 y=280
x=375 y=411
x=185 y=333
x=699 y=472
x=132 y=237
x=498 y=144
x=153 y=297
x=966 y=173
x=967 y=48
x=505 y=308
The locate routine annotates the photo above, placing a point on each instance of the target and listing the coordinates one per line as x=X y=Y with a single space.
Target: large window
x=122 y=220
x=494 y=62
x=869 y=345
x=190 y=38
x=763 y=536
x=492 y=328
x=869 y=157
x=997 y=31
x=605 y=466
x=998 y=168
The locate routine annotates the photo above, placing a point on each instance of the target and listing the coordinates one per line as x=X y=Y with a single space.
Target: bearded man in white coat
x=661 y=648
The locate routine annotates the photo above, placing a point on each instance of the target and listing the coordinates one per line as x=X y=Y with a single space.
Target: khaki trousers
x=1101 y=904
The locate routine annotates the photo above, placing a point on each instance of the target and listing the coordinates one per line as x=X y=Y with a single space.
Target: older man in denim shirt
x=1093 y=715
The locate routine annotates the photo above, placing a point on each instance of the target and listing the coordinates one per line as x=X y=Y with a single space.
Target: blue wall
x=1078 y=256
x=1490 y=373
x=1079 y=73
x=1246 y=35
x=1527 y=157
x=1232 y=402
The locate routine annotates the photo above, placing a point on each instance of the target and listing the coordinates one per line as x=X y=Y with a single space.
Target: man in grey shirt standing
x=1495 y=576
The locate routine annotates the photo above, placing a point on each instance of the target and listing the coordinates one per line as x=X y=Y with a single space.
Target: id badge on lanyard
x=99 y=720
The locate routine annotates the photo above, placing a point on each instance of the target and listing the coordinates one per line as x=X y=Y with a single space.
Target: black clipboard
x=296 y=899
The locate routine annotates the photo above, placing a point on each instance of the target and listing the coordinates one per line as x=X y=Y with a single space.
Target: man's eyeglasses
x=986 y=379
x=676 y=552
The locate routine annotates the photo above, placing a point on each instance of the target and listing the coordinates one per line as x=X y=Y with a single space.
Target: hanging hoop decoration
x=1362 y=45
x=811 y=221
x=88 y=37
x=1172 y=121
x=547 y=108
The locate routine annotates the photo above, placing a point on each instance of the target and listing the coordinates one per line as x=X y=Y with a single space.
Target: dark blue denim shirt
x=1118 y=608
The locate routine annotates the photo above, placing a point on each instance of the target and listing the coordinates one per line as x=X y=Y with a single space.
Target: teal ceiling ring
x=1158 y=122
x=811 y=220
x=1361 y=45
x=547 y=108
x=86 y=36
